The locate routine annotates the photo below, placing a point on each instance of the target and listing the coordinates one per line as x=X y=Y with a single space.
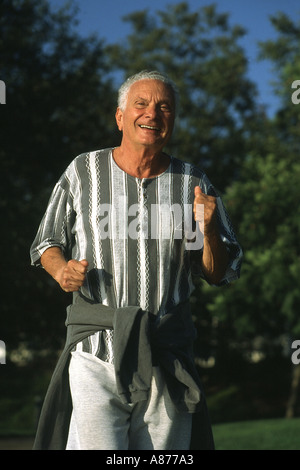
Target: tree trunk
x=291 y=404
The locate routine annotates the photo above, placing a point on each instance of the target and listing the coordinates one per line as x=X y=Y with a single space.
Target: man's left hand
x=210 y=210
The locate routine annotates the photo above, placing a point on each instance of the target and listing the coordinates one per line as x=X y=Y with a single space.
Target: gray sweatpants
x=100 y=421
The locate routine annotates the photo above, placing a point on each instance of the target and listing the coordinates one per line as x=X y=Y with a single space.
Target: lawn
x=272 y=434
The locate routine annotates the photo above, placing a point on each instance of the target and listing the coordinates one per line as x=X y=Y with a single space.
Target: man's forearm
x=215 y=258
x=70 y=275
x=54 y=262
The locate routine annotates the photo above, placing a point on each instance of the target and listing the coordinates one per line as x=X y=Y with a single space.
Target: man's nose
x=152 y=111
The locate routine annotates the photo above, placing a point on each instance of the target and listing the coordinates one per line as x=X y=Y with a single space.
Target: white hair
x=144 y=75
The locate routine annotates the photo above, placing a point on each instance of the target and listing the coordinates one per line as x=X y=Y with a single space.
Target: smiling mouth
x=152 y=128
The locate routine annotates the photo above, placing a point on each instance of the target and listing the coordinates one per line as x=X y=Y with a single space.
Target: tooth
x=149 y=127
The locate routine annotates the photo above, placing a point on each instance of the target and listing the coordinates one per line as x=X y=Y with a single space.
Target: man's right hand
x=73 y=275
x=70 y=275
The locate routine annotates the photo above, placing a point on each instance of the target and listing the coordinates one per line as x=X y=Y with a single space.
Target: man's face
x=148 y=119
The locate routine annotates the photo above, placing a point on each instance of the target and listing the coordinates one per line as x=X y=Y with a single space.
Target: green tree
x=60 y=103
x=200 y=51
x=283 y=53
x=265 y=203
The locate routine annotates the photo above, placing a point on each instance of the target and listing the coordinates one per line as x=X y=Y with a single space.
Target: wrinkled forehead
x=151 y=90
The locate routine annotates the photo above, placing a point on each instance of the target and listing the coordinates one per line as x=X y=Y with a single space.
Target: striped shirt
x=138 y=235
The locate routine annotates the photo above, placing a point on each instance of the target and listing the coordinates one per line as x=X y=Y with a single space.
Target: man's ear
x=119 y=119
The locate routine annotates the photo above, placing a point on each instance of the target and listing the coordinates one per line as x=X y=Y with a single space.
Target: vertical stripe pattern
x=131 y=231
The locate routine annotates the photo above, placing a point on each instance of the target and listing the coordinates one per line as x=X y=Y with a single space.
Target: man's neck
x=141 y=164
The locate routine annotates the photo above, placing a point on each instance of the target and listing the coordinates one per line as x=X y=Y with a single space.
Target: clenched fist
x=73 y=275
x=70 y=275
x=206 y=218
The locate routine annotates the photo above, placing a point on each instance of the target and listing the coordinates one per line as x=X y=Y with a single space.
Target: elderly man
x=121 y=232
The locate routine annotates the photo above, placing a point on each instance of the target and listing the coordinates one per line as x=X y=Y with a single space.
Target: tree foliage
x=266 y=300
x=283 y=53
x=265 y=203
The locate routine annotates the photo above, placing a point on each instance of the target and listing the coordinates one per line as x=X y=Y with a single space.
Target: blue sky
x=105 y=18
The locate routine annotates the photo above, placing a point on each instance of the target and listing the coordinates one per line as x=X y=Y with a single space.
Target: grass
x=271 y=434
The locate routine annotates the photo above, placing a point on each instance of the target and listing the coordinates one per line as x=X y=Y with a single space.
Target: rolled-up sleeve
x=233 y=247
x=56 y=226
